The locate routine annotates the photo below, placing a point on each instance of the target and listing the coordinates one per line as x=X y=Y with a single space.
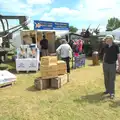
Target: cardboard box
x=53 y=73
x=44 y=74
x=48 y=75
x=49 y=71
x=62 y=72
x=51 y=67
x=41 y=84
x=48 y=60
x=60 y=62
x=59 y=81
x=61 y=65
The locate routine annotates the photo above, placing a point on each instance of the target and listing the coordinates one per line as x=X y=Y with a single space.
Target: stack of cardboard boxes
x=53 y=73
x=49 y=67
x=61 y=67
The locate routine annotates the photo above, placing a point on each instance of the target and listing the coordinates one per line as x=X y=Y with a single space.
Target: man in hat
x=111 y=54
x=65 y=53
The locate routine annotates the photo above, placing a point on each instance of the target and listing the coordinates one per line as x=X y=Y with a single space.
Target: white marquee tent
x=116 y=33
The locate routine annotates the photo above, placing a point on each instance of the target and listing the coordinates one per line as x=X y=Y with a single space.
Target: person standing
x=65 y=51
x=33 y=38
x=44 y=46
x=101 y=49
x=111 y=54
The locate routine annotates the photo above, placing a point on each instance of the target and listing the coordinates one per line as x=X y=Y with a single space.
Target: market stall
x=27 y=58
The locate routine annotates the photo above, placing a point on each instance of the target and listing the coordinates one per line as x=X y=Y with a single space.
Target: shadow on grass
x=89 y=58
x=115 y=104
x=12 y=71
x=93 y=65
x=32 y=89
x=5 y=86
x=21 y=72
x=92 y=98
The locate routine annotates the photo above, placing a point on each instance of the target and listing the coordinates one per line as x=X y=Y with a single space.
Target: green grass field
x=80 y=99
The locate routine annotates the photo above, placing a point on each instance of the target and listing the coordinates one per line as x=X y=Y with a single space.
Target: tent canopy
x=116 y=33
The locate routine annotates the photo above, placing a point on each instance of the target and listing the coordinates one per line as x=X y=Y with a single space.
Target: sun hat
x=108 y=37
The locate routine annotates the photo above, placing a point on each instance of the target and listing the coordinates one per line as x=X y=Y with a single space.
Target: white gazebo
x=116 y=33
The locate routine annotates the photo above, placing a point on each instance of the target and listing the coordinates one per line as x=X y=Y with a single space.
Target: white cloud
x=94 y=11
x=100 y=4
x=47 y=17
x=42 y=2
x=21 y=8
x=88 y=11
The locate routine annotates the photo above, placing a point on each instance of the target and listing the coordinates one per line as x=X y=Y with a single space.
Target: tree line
x=113 y=23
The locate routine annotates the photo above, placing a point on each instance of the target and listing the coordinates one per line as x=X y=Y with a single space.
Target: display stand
x=79 y=61
x=27 y=59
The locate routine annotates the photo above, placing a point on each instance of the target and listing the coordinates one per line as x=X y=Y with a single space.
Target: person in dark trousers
x=44 y=46
x=33 y=39
x=65 y=52
x=111 y=54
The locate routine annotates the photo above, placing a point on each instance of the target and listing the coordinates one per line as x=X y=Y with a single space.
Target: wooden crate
x=59 y=81
x=7 y=84
x=41 y=84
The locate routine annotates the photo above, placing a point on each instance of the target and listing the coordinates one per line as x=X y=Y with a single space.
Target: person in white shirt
x=65 y=52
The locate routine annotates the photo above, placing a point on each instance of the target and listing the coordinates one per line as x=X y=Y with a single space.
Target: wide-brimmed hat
x=109 y=37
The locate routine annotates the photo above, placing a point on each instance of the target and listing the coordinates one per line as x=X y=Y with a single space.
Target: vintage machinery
x=6 y=34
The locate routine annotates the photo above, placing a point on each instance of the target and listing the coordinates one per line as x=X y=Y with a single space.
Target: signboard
x=46 y=25
x=79 y=61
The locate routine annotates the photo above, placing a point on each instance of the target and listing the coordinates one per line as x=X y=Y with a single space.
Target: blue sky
x=79 y=13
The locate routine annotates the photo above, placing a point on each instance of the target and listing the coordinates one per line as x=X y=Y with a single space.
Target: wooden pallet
x=7 y=84
x=45 y=78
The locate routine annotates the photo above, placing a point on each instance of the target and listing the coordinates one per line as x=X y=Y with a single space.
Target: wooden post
x=68 y=79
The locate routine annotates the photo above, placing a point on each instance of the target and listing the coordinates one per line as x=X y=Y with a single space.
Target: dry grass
x=80 y=99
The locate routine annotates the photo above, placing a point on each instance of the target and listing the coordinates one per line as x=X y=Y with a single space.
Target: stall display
x=79 y=61
x=61 y=67
x=53 y=73
x=49 y=67
x=6 y=78
x=27 y=58
x=22 y=52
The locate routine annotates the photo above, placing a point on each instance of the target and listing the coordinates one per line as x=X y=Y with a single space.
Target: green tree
x=73 y=29
x=25 y=27
x=113 y=23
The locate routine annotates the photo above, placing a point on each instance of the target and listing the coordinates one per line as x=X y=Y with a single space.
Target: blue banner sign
x=46 y=25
